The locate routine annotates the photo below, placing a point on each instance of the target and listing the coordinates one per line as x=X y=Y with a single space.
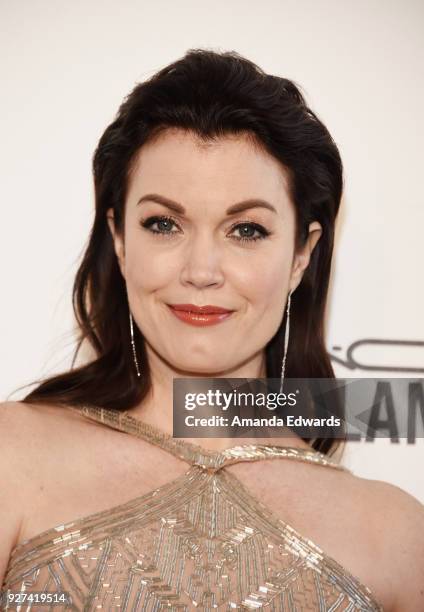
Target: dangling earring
x=286 y=340
x=133 y=346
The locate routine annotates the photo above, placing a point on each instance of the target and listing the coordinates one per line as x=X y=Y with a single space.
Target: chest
x=88 y=478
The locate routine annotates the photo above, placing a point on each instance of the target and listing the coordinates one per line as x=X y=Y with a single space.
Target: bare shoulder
x=396 y=524
x=16 y=453
x=27 y=433
x=30 y=433
x=20 y=424
x=29 y=426
x=23 y=417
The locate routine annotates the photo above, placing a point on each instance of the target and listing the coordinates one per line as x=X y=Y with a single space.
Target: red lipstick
x=200 y=315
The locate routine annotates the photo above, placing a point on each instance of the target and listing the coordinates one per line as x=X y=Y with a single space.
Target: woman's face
x=183 y=244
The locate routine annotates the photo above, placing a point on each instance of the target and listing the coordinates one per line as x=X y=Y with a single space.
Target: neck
x=157 y=407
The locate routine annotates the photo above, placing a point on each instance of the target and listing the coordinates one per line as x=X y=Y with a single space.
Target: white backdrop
x=66 y=67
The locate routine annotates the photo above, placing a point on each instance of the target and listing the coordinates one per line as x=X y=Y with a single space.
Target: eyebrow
x=235 y=208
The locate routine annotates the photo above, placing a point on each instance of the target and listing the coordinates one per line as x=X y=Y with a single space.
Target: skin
x=373 y=529
x=200 y=261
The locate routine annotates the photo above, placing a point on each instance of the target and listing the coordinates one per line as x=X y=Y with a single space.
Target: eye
x=247 y=231
x=164 y=224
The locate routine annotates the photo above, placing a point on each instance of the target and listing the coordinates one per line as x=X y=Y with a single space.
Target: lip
x=200 y=315
x=207 y=309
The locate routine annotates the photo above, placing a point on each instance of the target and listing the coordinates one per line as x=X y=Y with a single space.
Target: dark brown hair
x=210 y=94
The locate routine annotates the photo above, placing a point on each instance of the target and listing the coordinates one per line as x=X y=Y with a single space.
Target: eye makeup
x=166 y=222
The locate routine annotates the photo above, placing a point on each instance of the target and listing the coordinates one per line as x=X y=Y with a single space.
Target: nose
x=202 y=262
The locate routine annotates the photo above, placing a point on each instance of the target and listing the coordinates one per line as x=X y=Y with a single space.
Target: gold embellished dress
x=200 y=542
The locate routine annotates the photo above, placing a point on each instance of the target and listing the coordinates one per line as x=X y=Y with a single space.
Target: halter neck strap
x=195 y=454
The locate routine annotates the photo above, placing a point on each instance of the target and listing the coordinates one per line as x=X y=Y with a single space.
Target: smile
x=199 y=318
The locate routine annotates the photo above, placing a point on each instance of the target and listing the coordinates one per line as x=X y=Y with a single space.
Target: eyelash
x=156 y=219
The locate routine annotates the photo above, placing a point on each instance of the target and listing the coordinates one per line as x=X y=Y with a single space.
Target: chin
x=207 y=370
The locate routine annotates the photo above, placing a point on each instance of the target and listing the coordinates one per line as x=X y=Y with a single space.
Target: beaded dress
x=201 y=542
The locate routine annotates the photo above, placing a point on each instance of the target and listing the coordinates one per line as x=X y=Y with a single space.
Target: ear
x=118 y=243
x=301 y=259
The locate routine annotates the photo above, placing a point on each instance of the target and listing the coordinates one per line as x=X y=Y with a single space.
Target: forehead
x=179 y=165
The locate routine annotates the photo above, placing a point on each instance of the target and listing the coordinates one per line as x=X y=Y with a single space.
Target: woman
x=216 y=186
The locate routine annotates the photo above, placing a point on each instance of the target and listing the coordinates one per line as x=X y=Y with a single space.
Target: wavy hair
x=211 y=94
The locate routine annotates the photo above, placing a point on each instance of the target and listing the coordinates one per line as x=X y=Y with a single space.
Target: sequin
x=201 y=542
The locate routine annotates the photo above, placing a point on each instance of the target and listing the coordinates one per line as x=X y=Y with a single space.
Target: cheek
x=149 y=268
x=264 y=280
